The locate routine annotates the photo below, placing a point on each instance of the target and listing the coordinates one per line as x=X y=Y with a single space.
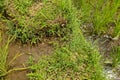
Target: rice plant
x=3 y=56
x=99 y=13
x=104 y=14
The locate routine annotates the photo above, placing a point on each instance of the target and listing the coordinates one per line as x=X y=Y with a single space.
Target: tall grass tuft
x=99 y=13
x=3 y=56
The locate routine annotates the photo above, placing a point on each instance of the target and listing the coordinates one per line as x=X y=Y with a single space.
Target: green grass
x=3 y=56
x=104 y=15
x=22 y=5
x=117 y=29
x=75 y=60
x=65 y=64
x=100 y=14
x=115 y=54
x=46 y=22
x=61 y=19
x=1 y=7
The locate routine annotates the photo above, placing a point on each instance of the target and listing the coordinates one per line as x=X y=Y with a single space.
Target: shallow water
x=111 y=73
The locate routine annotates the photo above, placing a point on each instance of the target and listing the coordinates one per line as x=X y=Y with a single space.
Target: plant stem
x=15 y=69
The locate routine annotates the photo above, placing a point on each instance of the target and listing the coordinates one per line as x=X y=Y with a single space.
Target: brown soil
x=21 y=61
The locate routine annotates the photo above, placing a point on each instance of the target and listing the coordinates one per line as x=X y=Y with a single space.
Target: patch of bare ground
x=21 y=62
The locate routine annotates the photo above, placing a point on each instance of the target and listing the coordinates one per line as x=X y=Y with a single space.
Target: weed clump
x=45 y=20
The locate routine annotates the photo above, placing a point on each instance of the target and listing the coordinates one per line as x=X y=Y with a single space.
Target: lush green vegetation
x=32 y=28
x=101 y=14
x=76 y=60
x=31 y=21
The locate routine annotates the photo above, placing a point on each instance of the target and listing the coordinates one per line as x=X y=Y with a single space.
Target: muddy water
x=25 y=51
